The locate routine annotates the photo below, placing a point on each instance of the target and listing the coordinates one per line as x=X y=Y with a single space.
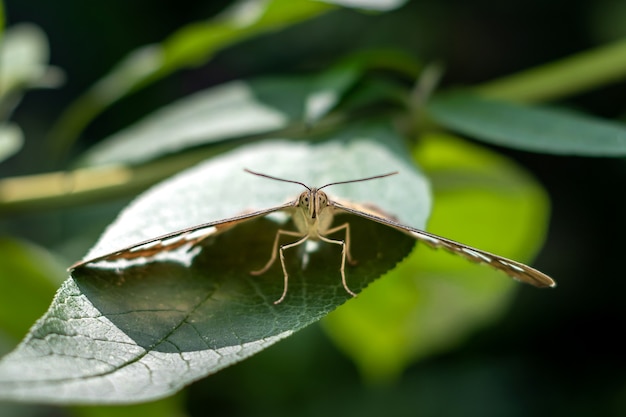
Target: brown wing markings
x=190 y=236
x=514 y=269
x=367 y=208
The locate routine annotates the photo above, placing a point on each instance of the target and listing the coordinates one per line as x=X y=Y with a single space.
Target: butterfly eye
x=322 y=199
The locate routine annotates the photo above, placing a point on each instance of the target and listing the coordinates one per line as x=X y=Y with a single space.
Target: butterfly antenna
x=276 y=178
x=360 y=179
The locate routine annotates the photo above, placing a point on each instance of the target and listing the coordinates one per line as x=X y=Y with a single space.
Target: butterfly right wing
x=514 y=269
x=190 y=236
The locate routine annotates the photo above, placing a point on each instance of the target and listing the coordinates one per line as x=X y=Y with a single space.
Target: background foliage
x=491 y=347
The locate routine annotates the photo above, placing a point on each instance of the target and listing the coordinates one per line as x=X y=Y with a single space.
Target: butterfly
x=312 y=214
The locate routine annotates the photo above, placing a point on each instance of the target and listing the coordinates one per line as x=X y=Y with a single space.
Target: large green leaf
x=432 y=300
x=539 y=129
x=132 y=334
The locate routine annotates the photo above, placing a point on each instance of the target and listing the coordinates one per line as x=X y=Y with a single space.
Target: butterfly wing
x=190 y=236
x=514 y=269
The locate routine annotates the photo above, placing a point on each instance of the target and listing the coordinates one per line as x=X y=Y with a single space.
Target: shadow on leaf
x=215 y=302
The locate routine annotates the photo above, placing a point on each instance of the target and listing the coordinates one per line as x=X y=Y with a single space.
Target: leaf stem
x=568 y=76
x=85 y=185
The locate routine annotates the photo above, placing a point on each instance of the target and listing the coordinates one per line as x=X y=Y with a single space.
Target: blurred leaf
x=338 y=83
x=329 y=88
x=29 y=276
x=11 y=140
x=191 y=45
x=233 y=110
x=378 y=5
x=241 y=109
x=133 y=334
x=538 y=129
x=433 y=300
x=24 y=55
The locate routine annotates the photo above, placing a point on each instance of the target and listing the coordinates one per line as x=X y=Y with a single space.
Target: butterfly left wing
x=514 y=269
x=190 y=236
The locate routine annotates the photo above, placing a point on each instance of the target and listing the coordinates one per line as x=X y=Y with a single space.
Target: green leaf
x=233 y=110
x=11 y=140
x=133 y=334
x=538 y=129
x=433 y=300
x=29 y=277
x=191 y=45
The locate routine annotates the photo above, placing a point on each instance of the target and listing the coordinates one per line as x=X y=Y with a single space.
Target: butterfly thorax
x=314 y=213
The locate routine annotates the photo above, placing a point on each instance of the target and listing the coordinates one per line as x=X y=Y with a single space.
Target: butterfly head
x=313 y=202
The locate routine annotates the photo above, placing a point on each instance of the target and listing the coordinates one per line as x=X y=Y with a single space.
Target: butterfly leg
x=345 y=226
x=345 y=252
x=282 y=263
x=275 y=251
x=275 y=247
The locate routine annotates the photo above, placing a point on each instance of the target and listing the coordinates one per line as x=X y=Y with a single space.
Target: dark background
x=556 y=353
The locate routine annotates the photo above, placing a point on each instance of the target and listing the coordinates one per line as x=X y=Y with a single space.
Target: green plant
x=142 y=334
